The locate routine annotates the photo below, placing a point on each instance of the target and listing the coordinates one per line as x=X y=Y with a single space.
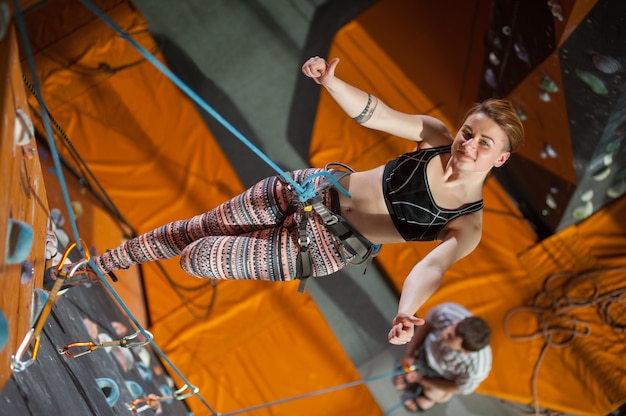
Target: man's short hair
x=474 y=332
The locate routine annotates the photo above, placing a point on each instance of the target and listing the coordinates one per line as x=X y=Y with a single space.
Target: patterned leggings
x=252 y=236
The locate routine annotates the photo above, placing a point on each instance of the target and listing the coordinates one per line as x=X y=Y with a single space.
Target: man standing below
x=451 y=355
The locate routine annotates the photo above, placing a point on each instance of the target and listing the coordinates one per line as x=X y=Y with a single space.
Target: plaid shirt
x=466 y=370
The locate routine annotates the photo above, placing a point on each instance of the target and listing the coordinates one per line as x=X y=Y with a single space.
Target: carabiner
x=34 y=334
x=91 y=346
x=127 y=341
x=148 y=402
x=178 y=393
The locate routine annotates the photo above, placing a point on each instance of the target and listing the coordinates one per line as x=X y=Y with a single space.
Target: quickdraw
x=34 y=334
x=149 y=402
x=128 y=341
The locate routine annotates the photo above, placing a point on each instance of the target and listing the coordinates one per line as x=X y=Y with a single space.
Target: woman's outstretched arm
x=368 y=110
x=425 y=277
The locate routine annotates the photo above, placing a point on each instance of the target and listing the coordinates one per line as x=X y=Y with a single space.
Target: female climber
x=431 y=193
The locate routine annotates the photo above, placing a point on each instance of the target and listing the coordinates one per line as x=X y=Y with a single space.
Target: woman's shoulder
x=434 y=134
x=466 y=228
x=435 y=142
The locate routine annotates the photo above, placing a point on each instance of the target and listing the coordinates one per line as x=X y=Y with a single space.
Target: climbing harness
x=306 y=191
x=129 y=341
x=353 y=242
x=146 y=403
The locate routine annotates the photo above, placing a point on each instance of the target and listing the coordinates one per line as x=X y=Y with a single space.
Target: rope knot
x=306 y=192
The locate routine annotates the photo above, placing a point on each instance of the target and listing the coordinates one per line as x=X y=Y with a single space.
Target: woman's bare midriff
x=366 y=210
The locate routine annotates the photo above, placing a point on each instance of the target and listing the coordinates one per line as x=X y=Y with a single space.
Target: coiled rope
x=557 y=325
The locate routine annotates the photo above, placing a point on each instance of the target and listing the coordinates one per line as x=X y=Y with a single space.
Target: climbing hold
x=136 y=391
x=24 y=130
x=595 y=83
x=124 y=357
x=602 y=173
x=120 y=329
x=144 y=371
x=28 y=270
x=40 y=298
x=19 y=241
x=4 y=330
x=57 y=218
x=52 y=244
x=490 y=78
x=617 y=189
x=110 y=390
x=91 y=327
x=547 y=84
x=144 y=355
x=606 y=64
x=77 y=209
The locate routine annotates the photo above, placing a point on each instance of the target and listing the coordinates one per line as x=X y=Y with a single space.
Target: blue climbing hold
x=4 y=330
x=144 y=371
x=19 y=241
x=136 y=391
x=110 y=390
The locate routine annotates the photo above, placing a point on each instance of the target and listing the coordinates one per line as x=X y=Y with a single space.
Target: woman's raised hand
x=319 y=70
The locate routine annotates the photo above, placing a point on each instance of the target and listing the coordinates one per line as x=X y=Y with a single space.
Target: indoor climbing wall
x=24 y=217
x=115 y=121
x=592 y=65
x=83 y=356
x=563 y=68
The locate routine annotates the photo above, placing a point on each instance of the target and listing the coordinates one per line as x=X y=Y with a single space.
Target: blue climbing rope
x=19 y=20
x=315 y=393
x=305 y=191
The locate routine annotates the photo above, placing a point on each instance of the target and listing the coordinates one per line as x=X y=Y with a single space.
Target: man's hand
x=413 y=377
x=403 y=328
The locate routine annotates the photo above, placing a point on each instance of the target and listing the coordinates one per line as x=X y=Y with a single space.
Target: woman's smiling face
x=480 y=144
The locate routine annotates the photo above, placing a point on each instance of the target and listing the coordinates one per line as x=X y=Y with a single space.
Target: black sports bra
x=409 y=200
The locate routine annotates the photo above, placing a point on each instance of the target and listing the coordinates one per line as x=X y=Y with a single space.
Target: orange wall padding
x=151 y=151
x=509 y=268
x=438 y=45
